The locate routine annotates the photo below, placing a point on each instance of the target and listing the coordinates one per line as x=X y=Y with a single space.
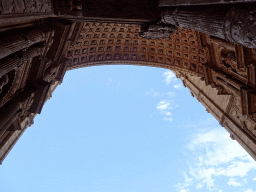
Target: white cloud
x=219 y=148
x=233 y=182
x=199 y=186
x=249 y=190
x=169 y=77
x=168 y=119
x=163 y=105
x=216 y=154
x=168 y=114
x=178 y=86
x=254 y=179
x=164 y=108
x=188 y=181
x=222 y=157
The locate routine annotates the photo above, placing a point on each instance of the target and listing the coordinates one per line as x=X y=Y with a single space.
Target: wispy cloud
x=199 y=186
x=153 y=93
x=178 y=86
x=164 y=108
x=162 y=105
x=168 y=119
x=216 y=155
x=249 y=190
x=169 y=77
x=166 y=104
x=184 y=190
x=188 y=181
x=254 y=179
x=170 y=94
x=233 y=182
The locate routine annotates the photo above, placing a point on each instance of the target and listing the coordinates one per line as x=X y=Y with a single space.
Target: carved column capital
x=235 y=23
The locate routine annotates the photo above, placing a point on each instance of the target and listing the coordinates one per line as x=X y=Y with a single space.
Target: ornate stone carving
x=27 y=6
x=229 y=60
x=236 y=24
x=240 y=26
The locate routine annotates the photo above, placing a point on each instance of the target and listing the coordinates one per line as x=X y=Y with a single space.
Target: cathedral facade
x=210 y=45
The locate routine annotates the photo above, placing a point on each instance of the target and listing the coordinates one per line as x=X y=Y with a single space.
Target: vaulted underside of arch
x=105 y=43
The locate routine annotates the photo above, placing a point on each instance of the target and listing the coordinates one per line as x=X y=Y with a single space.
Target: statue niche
x=50 y=73
x=3 y=81
x=228 y=59
x=6 y=82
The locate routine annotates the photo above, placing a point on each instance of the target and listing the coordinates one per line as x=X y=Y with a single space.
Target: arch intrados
x=104 y=44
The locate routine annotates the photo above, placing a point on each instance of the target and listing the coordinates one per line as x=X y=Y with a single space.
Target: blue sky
x=126 y=129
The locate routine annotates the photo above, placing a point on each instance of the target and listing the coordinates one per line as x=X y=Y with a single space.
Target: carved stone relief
x=25 y=6
x=240 y=26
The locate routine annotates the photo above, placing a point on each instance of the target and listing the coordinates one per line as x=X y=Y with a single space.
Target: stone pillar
x=12 y=62
x=236 y=24
x=16 y=43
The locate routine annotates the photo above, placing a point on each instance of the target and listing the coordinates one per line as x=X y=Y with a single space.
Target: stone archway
x=189 y=54
x=193 y=56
